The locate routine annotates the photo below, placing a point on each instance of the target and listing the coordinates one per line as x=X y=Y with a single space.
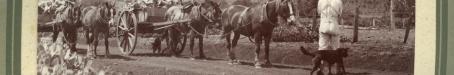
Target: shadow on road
x=168 y=55
x=117 y=57
x=150 y=55
x=274 y=66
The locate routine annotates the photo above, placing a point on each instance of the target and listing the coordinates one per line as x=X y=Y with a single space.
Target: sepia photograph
x=226 y=37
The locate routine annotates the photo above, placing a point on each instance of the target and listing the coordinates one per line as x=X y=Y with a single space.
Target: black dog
x=156 y=46
x=328 y=56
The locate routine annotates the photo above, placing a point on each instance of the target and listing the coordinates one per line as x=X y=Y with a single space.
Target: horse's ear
x=106 y=4
x=218 y=3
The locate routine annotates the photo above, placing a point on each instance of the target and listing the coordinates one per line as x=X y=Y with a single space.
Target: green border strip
x=8 y=39
x=17 y=37
x=2 y=36
x=442 y=27
x=13 y=37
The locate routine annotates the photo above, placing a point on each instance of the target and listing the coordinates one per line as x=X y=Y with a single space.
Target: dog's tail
x=302 y=49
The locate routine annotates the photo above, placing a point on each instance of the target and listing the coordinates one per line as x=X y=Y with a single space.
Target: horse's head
x=285 y=9
x=108 y=11
x=71 y=13
x=210 y=11
x=77 y=13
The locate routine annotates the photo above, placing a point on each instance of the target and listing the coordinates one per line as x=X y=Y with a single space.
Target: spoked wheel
x=127 y=33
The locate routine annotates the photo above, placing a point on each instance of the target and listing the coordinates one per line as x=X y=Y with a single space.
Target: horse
x=255 y=22
x=96 y=20
x=201 y=15
x=67 y=21
x=205 y=14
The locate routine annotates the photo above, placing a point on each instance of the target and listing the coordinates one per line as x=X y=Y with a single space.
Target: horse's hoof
x=268 y=64
x=174 y=56
x=258 y=65
x=203 y=58
x=192 y=58
x=234 y=62
x=91 y=57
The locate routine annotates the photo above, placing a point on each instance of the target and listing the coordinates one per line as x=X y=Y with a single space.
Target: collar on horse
x=265 y=15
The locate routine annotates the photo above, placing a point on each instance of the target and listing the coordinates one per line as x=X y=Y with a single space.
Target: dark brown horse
x=255 y=22
x=96 y=22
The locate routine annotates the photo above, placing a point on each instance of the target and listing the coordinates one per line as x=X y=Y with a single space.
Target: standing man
x=329 y=36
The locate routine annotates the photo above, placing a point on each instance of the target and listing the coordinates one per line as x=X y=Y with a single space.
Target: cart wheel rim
x=127 y=39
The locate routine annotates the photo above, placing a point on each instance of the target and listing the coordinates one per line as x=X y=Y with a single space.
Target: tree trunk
x=408 y=28
x=391 y=15
x=355 y=30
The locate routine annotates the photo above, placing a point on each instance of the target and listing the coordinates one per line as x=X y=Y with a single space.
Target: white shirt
x=329 y=11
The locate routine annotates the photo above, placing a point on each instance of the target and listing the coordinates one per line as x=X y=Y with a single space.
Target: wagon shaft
x=145 y=27
x=45 y=27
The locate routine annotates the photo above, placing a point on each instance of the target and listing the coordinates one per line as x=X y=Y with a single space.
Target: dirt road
x=149 y=64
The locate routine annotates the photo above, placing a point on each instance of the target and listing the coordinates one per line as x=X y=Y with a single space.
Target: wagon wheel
x=127 y=33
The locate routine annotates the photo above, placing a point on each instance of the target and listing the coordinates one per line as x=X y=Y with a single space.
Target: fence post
x=314 y=22
x=355 y=30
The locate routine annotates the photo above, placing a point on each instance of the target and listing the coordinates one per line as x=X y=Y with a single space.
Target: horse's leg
x=65 y=34
x=87 y=35
x=329 y=68
x=258 y=42
x=229 y=48
x=201 y=53
x=73 y=35
x=191 y=45
x=106 y=43
x=55 y=33
x=167 y=39
x=267 y=39
x=89 y=42
x=173 y=42
x=95 y=42
x=183 y=43
x=236 y=37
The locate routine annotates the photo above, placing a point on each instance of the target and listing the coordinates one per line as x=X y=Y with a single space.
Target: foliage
x=55 y=58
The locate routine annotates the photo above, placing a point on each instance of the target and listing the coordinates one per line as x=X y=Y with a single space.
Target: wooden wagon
x=128 y=25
